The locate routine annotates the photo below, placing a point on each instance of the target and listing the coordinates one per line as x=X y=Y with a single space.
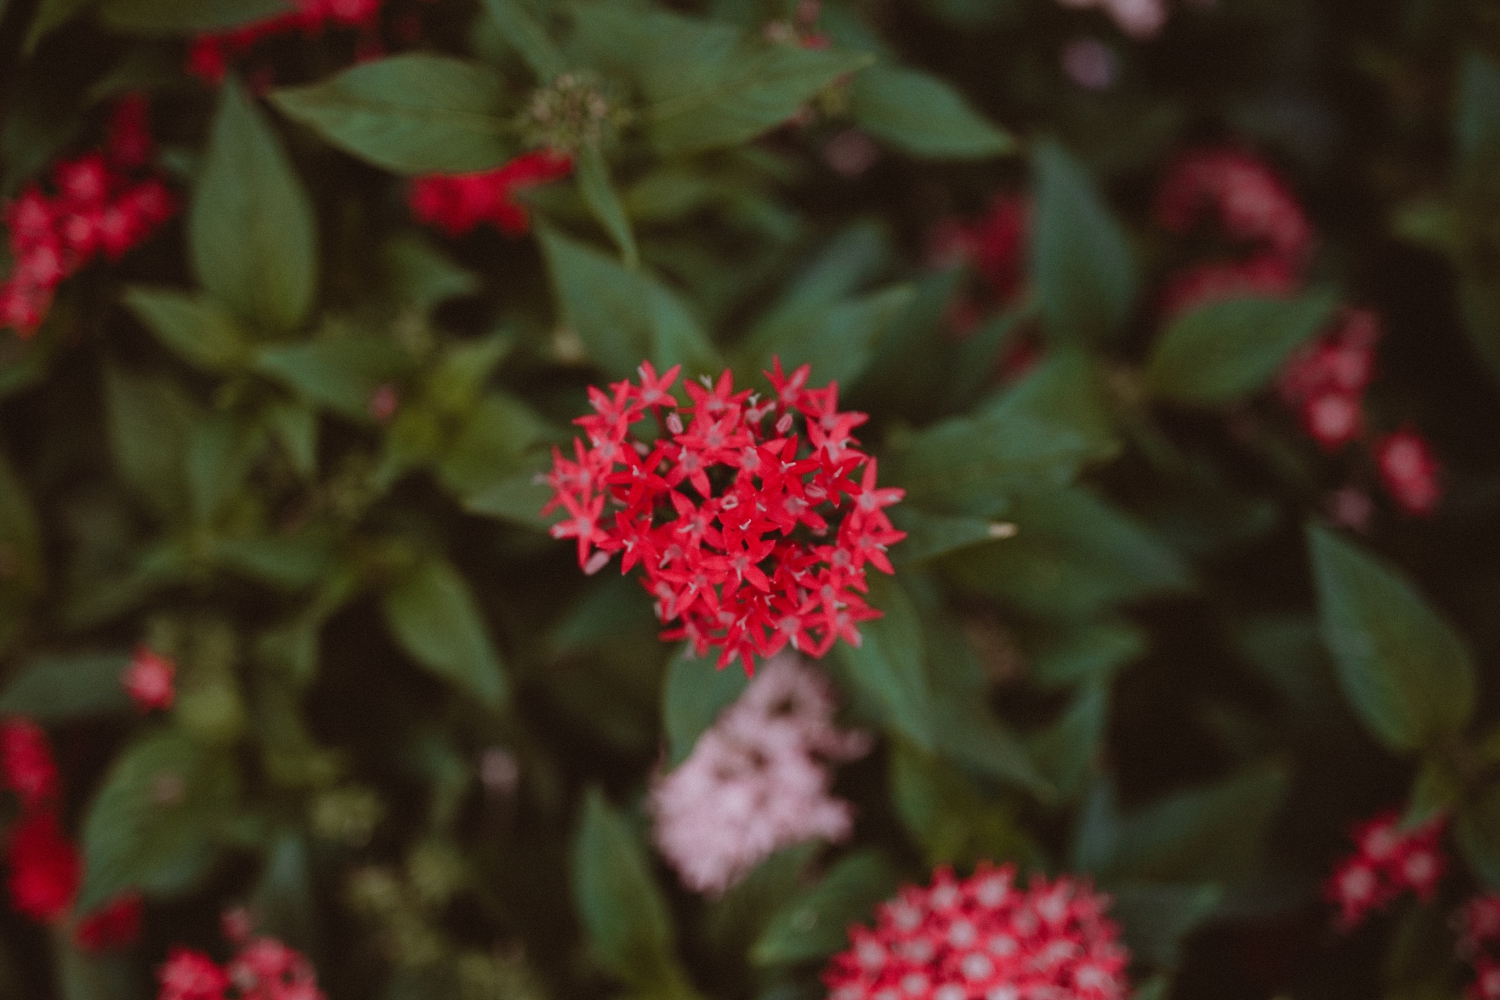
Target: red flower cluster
x=1325 y=381
x=984 y=938
x=264 y=969
x=148 y=680
x=750 y=539
x=209 y=55
x=1387 y=861
x=99 y=206
x=457 y=203
x=995 y=243
x=45 y=866
x=1478 y=926
x=1409 y=471
x=1253 y=206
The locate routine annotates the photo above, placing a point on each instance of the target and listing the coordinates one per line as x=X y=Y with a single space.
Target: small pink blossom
x=1387 y=862
x=1409 y=471
x=756 y=781
x=148 y=680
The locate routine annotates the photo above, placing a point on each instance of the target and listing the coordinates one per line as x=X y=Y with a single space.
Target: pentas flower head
x=148 y=680
x=985 y=938
x=1387 y=862
x=263 y=969
x=191 y=975
x=1478 y=924
x=1325 y=381
x=26 y=764
x=458 y=203
x=752 y=518
x=1252 y=203
x=1409 y=471
x=756 y=781
x=45 y=868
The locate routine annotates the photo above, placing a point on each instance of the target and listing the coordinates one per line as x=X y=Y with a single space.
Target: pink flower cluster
x=1254 y=207
x=103 y=203
x=985 y=938
x=1324 y=382
x=751 y=540
x=263 y=969
x=1478 y=925
x=209 y=55
x=756 y=781
x=1387 y=862
x=1140 y=19
x=148 y=680
x=457 y=203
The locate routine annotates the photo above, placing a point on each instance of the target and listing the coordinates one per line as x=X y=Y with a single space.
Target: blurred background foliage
x=290 y=442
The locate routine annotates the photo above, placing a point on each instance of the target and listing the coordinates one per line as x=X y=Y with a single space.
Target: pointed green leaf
x=58 y=688
x=1476 y=122
x=599 y=194
x=150 y=423
x=693 y=695
x=1405 y=670
x=1225 y=351
x=624 y=916
x=948 y=818
x=1081 y=260
x=1067 y=750
x=888 y=666
x=336 y=372
x=153 y=825
x=251 y=229
x=923 y=115
x=1155 y=917
x=433 y=614
x=194 y=327
x=530 y=39
x=836 y=338
x=623 y=316
x=411 y=114
x=814 y=925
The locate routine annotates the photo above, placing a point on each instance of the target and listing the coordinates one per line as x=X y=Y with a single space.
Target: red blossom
x=1409 y=471
x=1388 y=861
x=1252 y=203
x=751 y=537
x=995 y=243
x=148 y=680
x=100 y=206
x=458 y=203
x=191 y=975
x=45 y=868
x=116 y=925
x=985 y=938
x=26 y=763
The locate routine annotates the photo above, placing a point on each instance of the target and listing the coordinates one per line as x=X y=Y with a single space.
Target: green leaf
x=422 y=276
x=1084 y=652
x=178 y=17
x=706 y=84
x=1067 y=750
x=923 y=115
x=1210 y=834
x=813 y=925
x=623 y=316
x=50 y=15
x=1155 y=917
x=736 y=921
x=411 y=114
x=931 y=535
x=948 y=818
x=517 y=498
x=1225 y=351
x=1476 y=123
x=1037 y=434
x=1073 y=556
x=150 y=422
x=888 y=667
x=152 y=826
x=1405 y=670
x=1081 y=261
x=433 y=614
x=692 y=696
x=221 y=452
x=192 y=326
x=836 y=338
x=339 y=373
x=251 y=229
x=599 y=194
x=59 y=688
x=624 y=916
x=530 y=39
x=490 y=444
x=1477 y=829
x=294 y=425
